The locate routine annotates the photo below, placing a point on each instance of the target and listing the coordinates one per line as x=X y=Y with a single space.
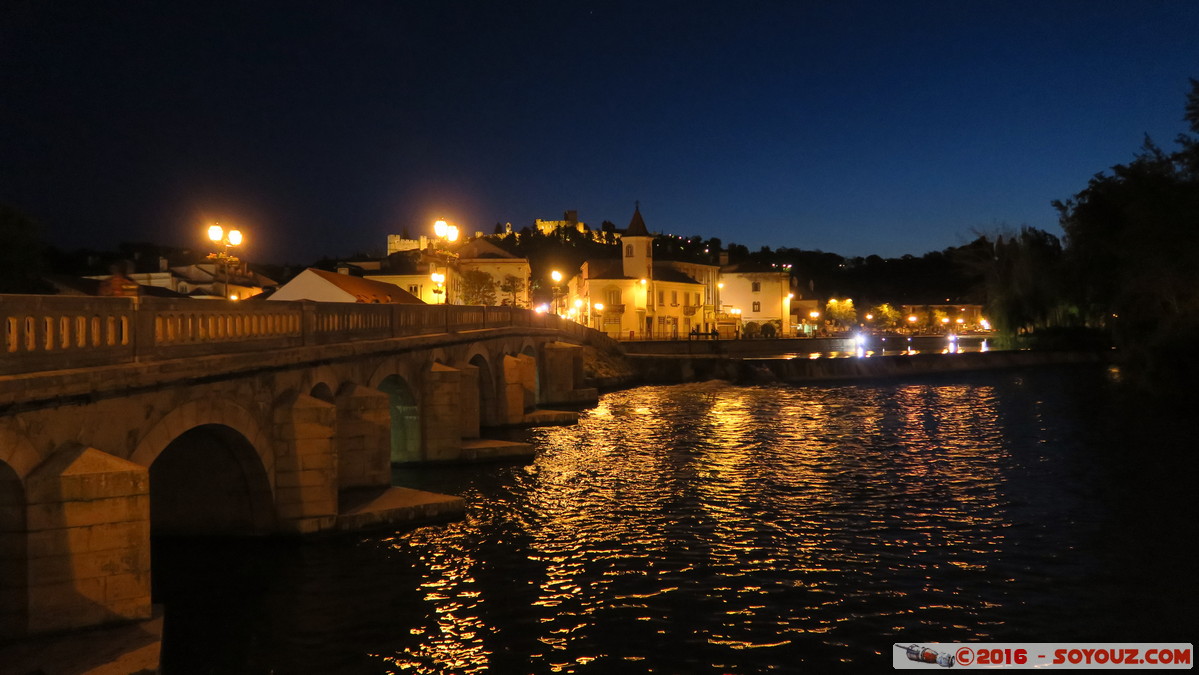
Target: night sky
x=321 y=127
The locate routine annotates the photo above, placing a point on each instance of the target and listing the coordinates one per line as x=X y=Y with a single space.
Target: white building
x=321 y=286
x=758 y=294
x=462 y=271
x=508 y=273
x=638 y=297
x=205 y=280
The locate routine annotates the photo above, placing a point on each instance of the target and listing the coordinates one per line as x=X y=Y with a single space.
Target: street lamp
x=444 y=230
x=448 y=234
x=557 y=278
x=438 y=285
x=227 y=239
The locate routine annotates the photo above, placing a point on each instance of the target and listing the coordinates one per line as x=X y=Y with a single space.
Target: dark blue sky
x=321 y=127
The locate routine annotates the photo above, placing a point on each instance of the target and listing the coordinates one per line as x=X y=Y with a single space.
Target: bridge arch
x=209 y=480
x=320 y=380
x=488 y=403
x=404 y=410
x=439 y=355
x=14 y=561
x=407 y=369
x=201 y=412
x=17 y=452
x=322 y=391
x=531 y=351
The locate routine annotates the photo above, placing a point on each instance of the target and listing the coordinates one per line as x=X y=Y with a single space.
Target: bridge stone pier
x=121 y=419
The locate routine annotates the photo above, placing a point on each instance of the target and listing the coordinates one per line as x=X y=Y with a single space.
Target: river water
x=712 y=528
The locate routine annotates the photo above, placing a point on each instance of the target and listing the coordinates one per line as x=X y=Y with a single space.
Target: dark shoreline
x=666 y=369
x=794 y=360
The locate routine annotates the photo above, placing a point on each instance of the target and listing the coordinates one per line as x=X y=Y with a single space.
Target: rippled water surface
x=711 y=528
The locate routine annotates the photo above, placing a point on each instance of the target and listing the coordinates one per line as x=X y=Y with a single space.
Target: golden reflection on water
x=775 y=515
x=455 y=643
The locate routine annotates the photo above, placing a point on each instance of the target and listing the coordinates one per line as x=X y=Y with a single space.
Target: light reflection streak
x=783 y=513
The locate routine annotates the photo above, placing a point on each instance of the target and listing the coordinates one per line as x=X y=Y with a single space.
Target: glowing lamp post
x=226 y=239
x=447 y=234
x=445 y=231
x=787 y=325
x=438 y=285
x=556 y=276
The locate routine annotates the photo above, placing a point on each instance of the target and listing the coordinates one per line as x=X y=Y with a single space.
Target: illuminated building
x=640 y=297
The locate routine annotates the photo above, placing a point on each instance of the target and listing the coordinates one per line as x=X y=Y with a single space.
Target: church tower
x=637 y=248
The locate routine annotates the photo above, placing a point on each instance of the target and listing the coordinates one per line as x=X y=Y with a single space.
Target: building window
x=613 y=296
x=628 y=251
x=674 y=298
x=649 y=249
x=661 y=298
x=414 y=289
x=757 y=306
x=756 y=286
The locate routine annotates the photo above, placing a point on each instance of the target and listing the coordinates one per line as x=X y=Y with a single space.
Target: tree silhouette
x=1022 y=276
x=21 y=252
x=1133 y=254
x=512 y=286
x=478 y=288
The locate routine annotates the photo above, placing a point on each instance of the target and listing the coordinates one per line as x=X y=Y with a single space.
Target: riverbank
x=664 y=369
x=755 y=361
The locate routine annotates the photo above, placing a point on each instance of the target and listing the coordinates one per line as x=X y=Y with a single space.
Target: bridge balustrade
x=42 y=333
x=338 y=322
x=39 y=332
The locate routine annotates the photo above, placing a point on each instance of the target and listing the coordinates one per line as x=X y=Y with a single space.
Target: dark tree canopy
x=21 y=252
x=1132 y=240
x=478 y=288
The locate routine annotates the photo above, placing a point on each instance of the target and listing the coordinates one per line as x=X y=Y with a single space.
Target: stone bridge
x=121 y=418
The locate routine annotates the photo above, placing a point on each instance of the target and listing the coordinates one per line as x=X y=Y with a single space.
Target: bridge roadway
x=121 y=418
